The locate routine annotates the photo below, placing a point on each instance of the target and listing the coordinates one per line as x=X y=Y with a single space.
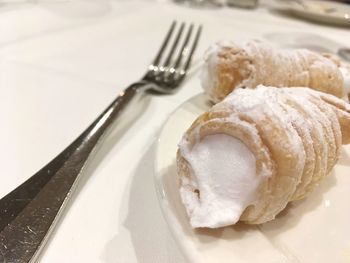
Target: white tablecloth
x=62 y=62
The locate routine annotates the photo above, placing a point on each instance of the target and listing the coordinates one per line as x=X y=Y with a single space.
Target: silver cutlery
x=30 y=212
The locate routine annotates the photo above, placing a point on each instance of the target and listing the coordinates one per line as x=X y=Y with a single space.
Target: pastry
x=230 y=65
x=257 y=150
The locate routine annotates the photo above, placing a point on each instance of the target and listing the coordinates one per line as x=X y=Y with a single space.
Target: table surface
x=62 y=62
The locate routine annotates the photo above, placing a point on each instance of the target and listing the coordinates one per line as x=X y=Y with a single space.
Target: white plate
x=316 y=229
x=320 y=11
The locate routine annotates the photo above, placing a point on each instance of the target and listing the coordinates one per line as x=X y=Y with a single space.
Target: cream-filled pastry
x=257 y=150
x=231 y=65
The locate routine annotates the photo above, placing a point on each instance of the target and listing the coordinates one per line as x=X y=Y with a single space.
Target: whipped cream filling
x=208 y=76
x=223 y=182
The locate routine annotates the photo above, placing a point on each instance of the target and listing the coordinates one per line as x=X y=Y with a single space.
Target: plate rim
x=314 y=16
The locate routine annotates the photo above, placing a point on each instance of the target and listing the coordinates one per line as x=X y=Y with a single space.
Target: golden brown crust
x=231 y=74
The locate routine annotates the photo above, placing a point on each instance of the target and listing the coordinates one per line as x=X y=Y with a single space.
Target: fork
x=30 y=212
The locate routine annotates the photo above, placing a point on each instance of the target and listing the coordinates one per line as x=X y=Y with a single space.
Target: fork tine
x=165 y=43
x=178 y=36
x=165 y=78
x=183 y=48
x=194 y=46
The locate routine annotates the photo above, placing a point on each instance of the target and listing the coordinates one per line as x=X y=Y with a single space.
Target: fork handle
x=29 y=213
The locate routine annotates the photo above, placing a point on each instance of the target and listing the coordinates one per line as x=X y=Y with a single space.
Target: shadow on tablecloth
x=148 y=232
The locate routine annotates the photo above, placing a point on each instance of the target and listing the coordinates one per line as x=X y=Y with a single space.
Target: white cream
x=208 y=73
x=224 y=173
